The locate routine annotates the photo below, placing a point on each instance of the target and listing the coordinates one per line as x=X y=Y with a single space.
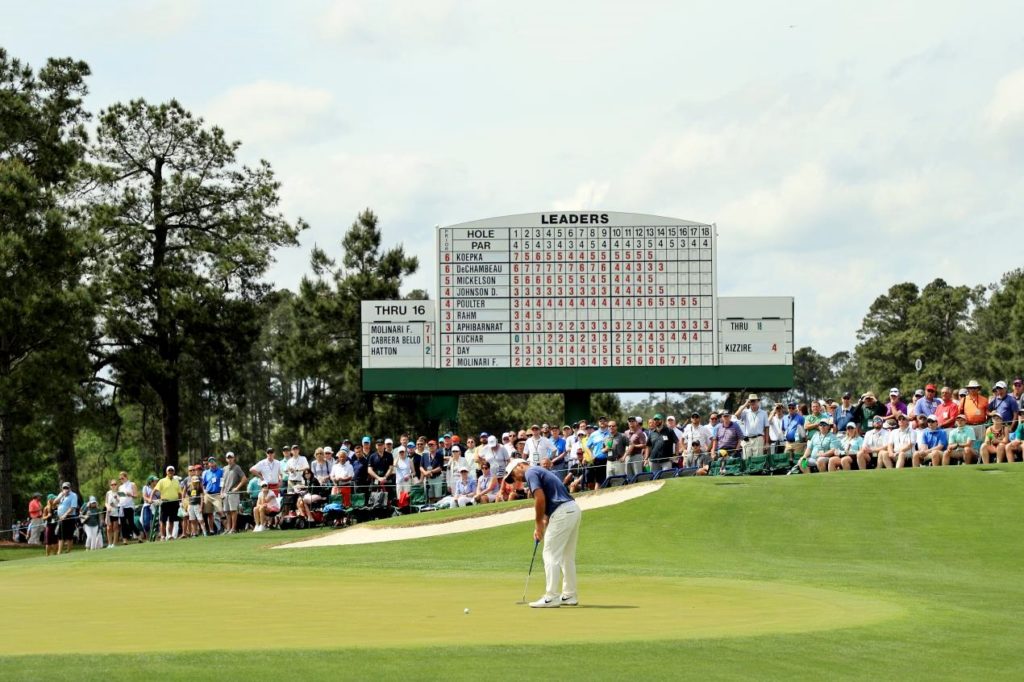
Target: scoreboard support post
x=577 y=406
x=444 y=407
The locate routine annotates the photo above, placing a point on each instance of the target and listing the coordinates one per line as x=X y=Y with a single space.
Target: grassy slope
x=943 y=544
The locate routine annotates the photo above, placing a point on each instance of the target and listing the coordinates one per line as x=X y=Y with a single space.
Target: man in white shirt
x=754 y=422
x=538 y=447
x=269 y=469
x=876 y=444
x=695 y=432
x=342 y=475
x=670 y=422
x=901 y=443
x=294 y=466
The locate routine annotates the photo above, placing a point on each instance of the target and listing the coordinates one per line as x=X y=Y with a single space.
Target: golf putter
x=526 y=588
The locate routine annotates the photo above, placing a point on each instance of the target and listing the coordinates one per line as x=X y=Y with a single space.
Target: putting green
x=406 y=608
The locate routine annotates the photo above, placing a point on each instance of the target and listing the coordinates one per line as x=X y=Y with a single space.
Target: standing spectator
x=51 y=525
x=432 y=468
x=661 y=445
x=960 y=442
x=269 y=470
x=928 y=404
x=538 y=446
x=843 y=413
x=975 y=406
x=934 y=443
x=213 y=502
x=776 y=434
x=361 y=466
x=379 y=468
x=403 y=472
x=866 y=410
x=1018 y=390
x=895 y=406
x=169 y=490
x=232 y=482
x=194 y=494
x=796 y=435
x=35 y=519
x=597 y=472
x=342 y=477
x=728 y=437
x=811 y=420
x=901 y=441
x=851 y=445
x=912 y=407
x=67 y=514
x=995 y=440
x=695 y=432
x=455 y=462
x=636 y=448
x=558 y=440
x=1003 y=404
x=294 y=466
x=149 y=501
x=616 y=448
x=496 y=456
x=754 y=422
x=112 y=507
x=127 y=494
x=464 y=489
x=268 y=504
x=90 y=516
x=947 y=410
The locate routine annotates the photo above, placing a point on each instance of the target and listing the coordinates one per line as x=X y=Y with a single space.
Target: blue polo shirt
x=791 y=424
x=212 y=479
x=926 y=407
x=1006 y=407
x=934 y=439
x=555 y=492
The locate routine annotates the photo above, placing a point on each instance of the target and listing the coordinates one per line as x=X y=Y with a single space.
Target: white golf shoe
x=546 y=603
x=569 y=601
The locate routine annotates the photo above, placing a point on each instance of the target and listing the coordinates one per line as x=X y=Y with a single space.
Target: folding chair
x=646 y=476
x=614 y=481
x=757 y=464
x=666 y=473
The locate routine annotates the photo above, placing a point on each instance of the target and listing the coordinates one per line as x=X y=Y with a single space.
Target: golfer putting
x=558 y=525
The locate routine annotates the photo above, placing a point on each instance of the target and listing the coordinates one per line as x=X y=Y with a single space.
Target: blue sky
x=840 y=147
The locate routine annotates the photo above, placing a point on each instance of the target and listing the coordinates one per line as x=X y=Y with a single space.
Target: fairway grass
x=868 y=575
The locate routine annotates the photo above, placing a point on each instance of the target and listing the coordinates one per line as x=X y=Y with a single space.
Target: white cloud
x=156 y=18
x=1005 y=111
x=395 y=25
x=268 y=112
x=590 y=194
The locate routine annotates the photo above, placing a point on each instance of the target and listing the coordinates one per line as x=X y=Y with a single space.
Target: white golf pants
x=560 y=550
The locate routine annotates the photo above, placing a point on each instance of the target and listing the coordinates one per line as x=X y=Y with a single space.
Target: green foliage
x=188 y=233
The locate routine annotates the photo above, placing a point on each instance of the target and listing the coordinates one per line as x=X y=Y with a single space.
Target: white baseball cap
x=512 y=464
x=894 y=391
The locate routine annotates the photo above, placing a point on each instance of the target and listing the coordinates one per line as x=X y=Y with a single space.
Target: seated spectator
x=486 y=485
x=960 y=442
x=308 y=495
x=934 y=444
x=995 y=440
x=1016 y=444
x=342 y=475
x=91 y=524
x=822 y=448
x=465 y=488
x=876 y=445
x=851 y=444
x=576 y=470
x=901 y=442
x=268 y=504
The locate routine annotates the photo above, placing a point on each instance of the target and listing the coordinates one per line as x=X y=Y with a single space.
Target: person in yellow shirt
x=169 y=488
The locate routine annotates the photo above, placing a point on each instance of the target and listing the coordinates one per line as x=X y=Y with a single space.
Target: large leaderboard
x=577 y=301
x=577 y=290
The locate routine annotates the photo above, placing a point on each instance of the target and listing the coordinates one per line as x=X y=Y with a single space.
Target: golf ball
x=465 y=610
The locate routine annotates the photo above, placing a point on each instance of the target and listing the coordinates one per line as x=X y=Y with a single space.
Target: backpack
x=378 y=499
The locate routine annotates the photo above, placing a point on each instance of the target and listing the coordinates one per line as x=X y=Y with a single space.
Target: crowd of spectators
x=936 y=427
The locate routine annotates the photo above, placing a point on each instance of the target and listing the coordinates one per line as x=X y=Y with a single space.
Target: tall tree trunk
x=64 y=428
x=6 y=487
x=170 y=409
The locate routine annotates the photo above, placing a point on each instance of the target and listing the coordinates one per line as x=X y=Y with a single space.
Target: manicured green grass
x=12 y=553
x=876 y=575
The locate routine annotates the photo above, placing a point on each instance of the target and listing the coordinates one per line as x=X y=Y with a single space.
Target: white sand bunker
x=366 y=534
